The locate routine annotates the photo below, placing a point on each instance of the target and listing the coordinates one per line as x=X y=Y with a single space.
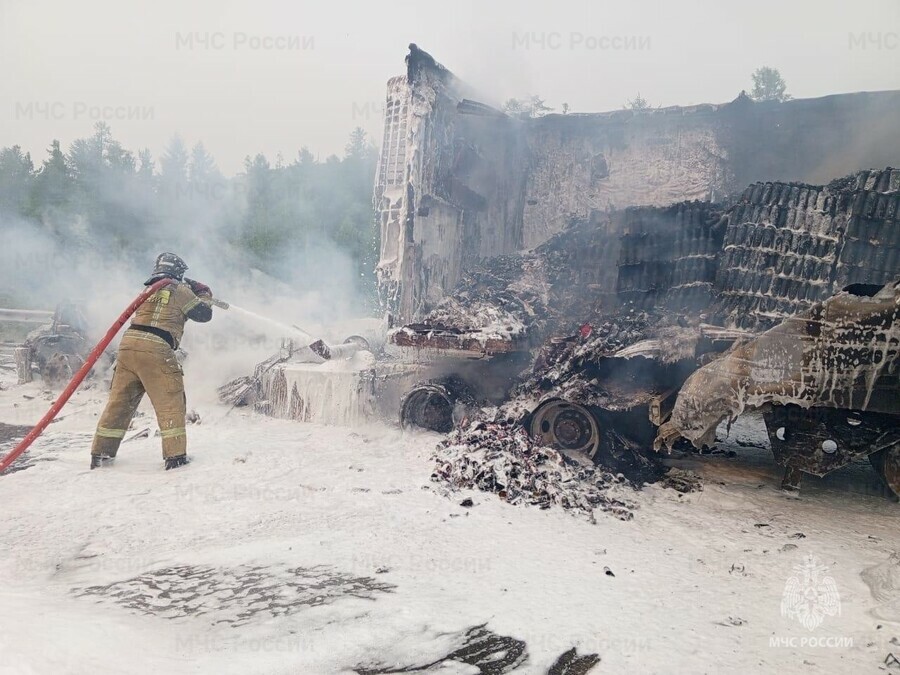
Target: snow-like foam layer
x=338 y=392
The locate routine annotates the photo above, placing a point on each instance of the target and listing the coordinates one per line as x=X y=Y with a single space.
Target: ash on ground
x=682 y=481
x=234 y=596
x=10 y=434
x=501 y=458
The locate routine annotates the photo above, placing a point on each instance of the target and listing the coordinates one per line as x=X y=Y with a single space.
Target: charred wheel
x=59 y=369
x=436 y=405
x=568 y=427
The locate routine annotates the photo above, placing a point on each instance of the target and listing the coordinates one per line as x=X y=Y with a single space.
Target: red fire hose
x=81 y=374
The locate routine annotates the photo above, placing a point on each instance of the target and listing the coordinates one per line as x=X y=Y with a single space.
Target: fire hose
x=84 y=370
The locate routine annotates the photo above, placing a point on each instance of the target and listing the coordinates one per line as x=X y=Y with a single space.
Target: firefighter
x=146 y=363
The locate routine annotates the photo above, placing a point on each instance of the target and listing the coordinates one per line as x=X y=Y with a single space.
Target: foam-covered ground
x=291 y=548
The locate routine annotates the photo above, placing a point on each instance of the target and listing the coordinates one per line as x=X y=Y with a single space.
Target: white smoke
x=65 y=258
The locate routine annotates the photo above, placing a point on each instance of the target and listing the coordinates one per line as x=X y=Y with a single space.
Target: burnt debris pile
x=641 y=259
x=55 y=350
x=501 y=458
x=489 y=302
x=520 y=299
x=561 y=358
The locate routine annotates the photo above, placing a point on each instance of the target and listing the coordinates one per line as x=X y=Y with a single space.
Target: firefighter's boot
x=100 y=461
x=175 y=462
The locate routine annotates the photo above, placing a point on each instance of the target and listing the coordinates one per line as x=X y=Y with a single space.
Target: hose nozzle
x=221 y=304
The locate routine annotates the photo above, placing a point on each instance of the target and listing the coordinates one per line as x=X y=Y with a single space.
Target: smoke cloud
x=97 y=251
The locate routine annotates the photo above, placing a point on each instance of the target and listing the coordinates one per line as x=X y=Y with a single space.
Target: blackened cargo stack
x=668 y=255
x=780 y=246
x=780 y=249
x=790 y=245
x=871 y=249
x=555 y=288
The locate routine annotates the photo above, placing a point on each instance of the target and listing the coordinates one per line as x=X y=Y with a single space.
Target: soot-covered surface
x=10 y=434
x=234 y=596
x=491 y=654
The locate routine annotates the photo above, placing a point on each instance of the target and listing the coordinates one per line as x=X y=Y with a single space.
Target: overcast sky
x=253 y=87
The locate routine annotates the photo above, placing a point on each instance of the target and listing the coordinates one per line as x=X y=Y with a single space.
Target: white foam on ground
x=697 y=588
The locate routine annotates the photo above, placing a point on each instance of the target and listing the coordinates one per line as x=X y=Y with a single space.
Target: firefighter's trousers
x=144 y=365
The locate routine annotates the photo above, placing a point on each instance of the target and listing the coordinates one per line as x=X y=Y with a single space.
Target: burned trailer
x=501 y=232
x=549 y=268
x=692 y=283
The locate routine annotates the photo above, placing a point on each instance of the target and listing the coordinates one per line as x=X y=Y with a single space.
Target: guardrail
x=26 y=315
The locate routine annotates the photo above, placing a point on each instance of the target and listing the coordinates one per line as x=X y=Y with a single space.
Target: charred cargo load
x=788 y=246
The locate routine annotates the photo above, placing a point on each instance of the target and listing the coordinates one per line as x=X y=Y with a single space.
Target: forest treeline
x=97 y=195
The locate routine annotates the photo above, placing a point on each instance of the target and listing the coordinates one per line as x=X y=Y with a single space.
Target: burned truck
x=56 y=349
x=604 y=279
x=620 y=256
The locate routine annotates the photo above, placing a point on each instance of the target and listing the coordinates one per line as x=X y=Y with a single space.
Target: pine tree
x=357 y=146
x=53 y=182
x=118 y=159
x=305 y=157
x=202 y=168
x=638 y=103
x=768 y=85
x=173 y=168
x=145 y=165
x=16 y=176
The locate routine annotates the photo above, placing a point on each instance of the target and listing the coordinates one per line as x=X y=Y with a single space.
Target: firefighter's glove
x=200 y=289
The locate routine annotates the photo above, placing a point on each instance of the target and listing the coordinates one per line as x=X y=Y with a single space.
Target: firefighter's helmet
x=168 y=265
